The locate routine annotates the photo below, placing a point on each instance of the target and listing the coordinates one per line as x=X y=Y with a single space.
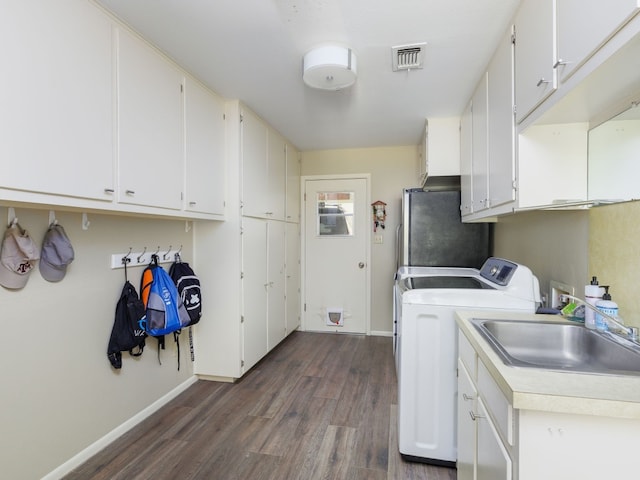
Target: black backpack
x=188 y=286
x=127 y=333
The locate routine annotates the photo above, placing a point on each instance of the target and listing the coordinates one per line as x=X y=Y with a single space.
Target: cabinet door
x=501 y=156
x=292 y=210
x=150 y=160
x=493 y=461
x=466 y=425
x=57 y=99
x=534 y=54
x=254 y=165
x=277 y=176
x=276 y=317
x=479 y=132
x=254 y=291
x=584 y=25
x=204 y=149
x=466 y=162
x=292 y=274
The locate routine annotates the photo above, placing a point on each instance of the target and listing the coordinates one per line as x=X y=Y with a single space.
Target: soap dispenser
x=592 y=293
x=607 y=306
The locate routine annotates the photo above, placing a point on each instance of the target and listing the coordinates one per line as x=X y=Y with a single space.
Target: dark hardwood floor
x=320 y=406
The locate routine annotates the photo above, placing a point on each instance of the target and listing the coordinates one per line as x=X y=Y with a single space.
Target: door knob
x=361 y=265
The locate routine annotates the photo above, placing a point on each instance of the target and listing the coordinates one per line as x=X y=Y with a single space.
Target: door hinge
x=241 y=318
x=241 y=275
x=242 y=363
x=224 y=116
x=305 y=197
x=513 y=38
x=305 y=307
x=241 y=118
x=181 y=88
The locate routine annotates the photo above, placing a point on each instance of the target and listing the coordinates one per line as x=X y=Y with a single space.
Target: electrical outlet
x=558 y=289
x=377 y=238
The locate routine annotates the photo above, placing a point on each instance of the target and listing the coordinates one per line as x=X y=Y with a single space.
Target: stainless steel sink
x=558 y=346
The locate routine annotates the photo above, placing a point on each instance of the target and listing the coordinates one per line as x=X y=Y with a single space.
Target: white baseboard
x=121 y=429
x=381 y=333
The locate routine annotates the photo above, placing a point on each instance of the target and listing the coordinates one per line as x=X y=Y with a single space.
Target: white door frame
x=303 y=250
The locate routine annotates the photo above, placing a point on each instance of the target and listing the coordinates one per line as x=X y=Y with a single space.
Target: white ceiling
x=253 y=49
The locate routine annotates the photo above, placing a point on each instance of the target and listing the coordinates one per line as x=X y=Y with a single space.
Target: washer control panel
x=498 y=270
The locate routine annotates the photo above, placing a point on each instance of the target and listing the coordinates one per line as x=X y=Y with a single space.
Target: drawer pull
x=130 y=192
x=475 y=416
x=542 y=81
x=466 y=397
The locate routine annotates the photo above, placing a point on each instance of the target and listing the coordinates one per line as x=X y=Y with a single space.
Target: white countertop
x=544 y=390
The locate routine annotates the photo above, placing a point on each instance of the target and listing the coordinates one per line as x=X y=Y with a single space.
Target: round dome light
x=329 y=68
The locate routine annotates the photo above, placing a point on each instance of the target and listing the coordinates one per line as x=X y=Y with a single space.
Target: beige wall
x=59 y=393
x=553 y=243
x=614 y=255
x=391 y=169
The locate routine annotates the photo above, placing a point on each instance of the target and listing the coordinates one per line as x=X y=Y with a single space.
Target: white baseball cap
x=18 y=256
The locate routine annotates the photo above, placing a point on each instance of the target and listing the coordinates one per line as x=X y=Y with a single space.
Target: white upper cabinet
x=263 y=169
x=56 y=97
x=479 y=149
x=277 y=175
x=292 y=208
x=204 y=149
x=501 y=141
x=466 y=162
x=254 y=138
x=584 y=25
x=150 y=123
x=535 y=77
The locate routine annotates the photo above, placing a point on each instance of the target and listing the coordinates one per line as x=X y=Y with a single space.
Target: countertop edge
x=548 y=391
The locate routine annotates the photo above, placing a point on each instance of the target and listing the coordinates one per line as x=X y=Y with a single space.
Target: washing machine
x=425 y=301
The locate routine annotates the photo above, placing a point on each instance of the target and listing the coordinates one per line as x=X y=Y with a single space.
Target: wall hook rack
x=142 y=259
x=12 y=220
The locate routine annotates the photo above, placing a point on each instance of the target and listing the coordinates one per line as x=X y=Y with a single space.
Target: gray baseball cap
x=18 y=256
x=57 y=253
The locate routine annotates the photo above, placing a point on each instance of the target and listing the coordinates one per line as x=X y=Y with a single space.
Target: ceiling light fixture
x=329 y=68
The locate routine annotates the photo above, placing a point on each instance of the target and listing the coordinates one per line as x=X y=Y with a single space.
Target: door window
x=335 y=213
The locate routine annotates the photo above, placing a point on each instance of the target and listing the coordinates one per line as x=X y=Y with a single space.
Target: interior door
x=336 y=278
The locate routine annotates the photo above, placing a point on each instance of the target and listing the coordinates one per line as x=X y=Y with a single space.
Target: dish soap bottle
x=592 y=293
x=607 y=306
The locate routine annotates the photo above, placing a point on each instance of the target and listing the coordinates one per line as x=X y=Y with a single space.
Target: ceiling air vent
x=406 y=57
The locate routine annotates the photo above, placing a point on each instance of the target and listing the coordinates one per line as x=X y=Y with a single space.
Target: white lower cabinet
x=483 y=451
x=498 y=442
x=492 y=461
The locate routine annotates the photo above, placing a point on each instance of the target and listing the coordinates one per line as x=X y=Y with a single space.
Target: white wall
x=391 y=169
x=59 y=393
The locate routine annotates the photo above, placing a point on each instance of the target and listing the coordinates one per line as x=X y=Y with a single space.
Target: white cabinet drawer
x=497 y=404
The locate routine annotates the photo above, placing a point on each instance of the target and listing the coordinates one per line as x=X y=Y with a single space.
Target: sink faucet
x=615 y=325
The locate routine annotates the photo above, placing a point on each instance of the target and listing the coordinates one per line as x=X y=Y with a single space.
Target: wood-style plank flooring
x=320 y=406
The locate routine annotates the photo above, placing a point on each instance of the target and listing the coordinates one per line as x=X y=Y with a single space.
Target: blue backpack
x=165 y=311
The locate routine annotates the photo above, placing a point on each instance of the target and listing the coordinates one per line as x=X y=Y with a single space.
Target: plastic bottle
x=592 y=293
x=607 y=306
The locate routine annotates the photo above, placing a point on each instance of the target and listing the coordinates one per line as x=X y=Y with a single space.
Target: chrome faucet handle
x=633 y=333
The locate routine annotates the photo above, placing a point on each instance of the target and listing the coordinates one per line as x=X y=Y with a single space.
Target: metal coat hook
x=127 y=259
x=157 y=251
x=165 y=256
x=177 y=255
x=85 y=222
x=142 y=255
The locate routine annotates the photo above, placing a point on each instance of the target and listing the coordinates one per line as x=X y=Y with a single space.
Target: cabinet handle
x=466 y=397
x=541 y=81
x=560 y=62
x=268 y=213
x=109 y=190
x=475 y=416
x=192 y=203
x=130 y=192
